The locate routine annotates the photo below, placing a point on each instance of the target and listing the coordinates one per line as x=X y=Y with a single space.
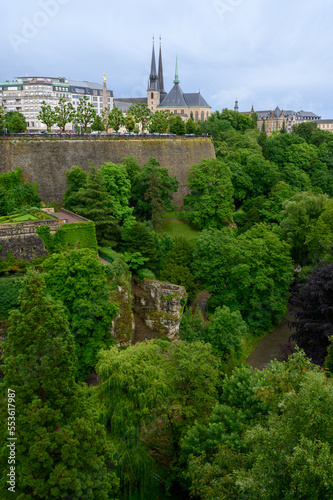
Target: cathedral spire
x=153 y=78
x=160 y=70
x=236 y=108
x=176 y=80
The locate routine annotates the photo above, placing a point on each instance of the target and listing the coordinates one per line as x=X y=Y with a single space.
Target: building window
x=181 y=111
x=152 y=95
x=196 y=116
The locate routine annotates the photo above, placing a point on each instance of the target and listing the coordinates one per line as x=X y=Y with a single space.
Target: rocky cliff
x=153 y=310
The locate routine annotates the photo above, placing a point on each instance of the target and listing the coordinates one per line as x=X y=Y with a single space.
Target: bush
x=145 y=274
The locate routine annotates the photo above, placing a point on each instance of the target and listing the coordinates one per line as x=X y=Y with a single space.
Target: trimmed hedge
x=109 y=254
x=69 y=236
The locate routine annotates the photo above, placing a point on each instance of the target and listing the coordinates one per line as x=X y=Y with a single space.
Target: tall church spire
x=153 y=78
x=160 y=70
x=236 y=108
x=176 y=80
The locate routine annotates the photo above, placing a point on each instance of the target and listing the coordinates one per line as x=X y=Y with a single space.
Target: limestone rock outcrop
x=157 y=308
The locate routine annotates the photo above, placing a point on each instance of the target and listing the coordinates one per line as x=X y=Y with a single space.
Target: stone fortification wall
x=22 y=241
x=46 y=161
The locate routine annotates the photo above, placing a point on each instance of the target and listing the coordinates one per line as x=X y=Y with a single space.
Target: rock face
x=157 y=309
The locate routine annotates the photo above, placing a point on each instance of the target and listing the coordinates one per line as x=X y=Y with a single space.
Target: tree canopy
x=210 y=202
x=63 y=450
x=79 y=280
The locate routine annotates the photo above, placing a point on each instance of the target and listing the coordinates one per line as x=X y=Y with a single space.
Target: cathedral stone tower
x=154 y=88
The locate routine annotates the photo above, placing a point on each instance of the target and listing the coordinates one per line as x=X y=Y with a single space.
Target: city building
x=26 y=94
x=94 y=93
x=326 y=125
x=175 y=102
x=274 y=119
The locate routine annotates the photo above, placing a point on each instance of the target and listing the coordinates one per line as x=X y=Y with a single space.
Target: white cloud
x=264 y=52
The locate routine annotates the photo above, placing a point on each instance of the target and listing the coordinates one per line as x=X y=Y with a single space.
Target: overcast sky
x=264 y=52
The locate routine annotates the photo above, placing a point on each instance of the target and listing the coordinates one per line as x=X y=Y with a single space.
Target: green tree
x=320 y=237
x=15 y=122
x=85 y=113
x=2 y=118
x=291 y=456
x=63 y=449
x=64 y=113
x=271 y=208
x=152 y=191
x=252 y=175
x=159 y=122
x=236 y=453
x=93 y=203
x=283 y=128
x=141 y=114
x=47 y=115
x=116 y=119
x=191 y=127
x=176 y=267
x=141 y=239
x=119 y=189
x=220 y=129
x=210 y=201
x=239 y=121
x=155 y=385
x=191 y=326
x=225 y=332
x=251 y=273
x=305 y=130
x=76 y=179
x=303 y=156
x=300 y=216
x=97 y=124
x=34 y=358
x=132 y=168
x=176 y=125
x=296 y=177
x=78 y=279
x=3 y=202
x=133 y=386
x=129 y=122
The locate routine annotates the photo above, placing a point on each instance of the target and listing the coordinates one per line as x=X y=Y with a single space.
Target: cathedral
x=175 y=102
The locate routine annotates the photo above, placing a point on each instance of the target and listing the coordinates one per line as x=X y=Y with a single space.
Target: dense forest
x=187 y=418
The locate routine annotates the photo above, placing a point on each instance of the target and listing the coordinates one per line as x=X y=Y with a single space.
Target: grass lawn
x=177 y=227
x=31 y=216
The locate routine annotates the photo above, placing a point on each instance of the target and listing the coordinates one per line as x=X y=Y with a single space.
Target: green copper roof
x=176 y=80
